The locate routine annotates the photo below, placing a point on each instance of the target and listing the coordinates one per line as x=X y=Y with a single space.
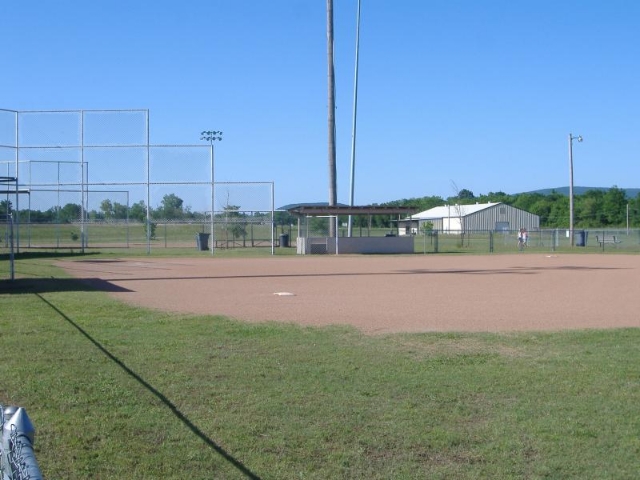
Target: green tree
x=71 y=212
x=559 y=212
x=5 y=207
x=171 y=206
x=423 y=203
x=496 y=197
x=106 y=207
x=634 y=211
x=426 y=228
x=150 y=230
x=234 y=222
x=589 y=209
x=239 y=230
x=138 y=211
x=119 y=211
x=541 y=207
x=525 y=201
x=283 y=219
x=320 y=225
x=615 y=206
x=461 y=197
x=465 y=195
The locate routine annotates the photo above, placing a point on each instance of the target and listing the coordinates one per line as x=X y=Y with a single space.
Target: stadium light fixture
x=571 y=139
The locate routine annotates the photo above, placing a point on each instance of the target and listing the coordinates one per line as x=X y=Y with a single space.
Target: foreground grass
x=121 y=392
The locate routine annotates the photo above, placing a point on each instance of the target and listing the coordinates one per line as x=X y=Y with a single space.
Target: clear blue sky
x=480 y=93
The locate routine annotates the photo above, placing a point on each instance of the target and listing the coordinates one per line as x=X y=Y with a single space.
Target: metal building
x=477 y=217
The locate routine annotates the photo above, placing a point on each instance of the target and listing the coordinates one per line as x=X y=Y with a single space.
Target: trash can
x=580 y=237
x=284 y=240
x=202 y=241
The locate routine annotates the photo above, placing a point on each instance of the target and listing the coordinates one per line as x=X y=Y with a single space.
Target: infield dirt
x=385 y=294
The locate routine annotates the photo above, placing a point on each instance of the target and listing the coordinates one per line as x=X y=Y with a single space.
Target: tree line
x=171 y=207
x=593 y=209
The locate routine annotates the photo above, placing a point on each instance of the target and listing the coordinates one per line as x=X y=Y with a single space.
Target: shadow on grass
x=44 y=285
x=30 y=254
x=177 y=413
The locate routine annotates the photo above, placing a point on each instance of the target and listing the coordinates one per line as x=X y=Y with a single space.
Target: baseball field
x=418 y=366
x=385 y=294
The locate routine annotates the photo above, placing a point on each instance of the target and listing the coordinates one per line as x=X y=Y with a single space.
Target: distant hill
x=631 y=192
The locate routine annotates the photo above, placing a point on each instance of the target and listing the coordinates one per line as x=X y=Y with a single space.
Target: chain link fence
x=91 y=179
x=17 y=458
x=593 y=240
x=7 y=257
x=539 y=241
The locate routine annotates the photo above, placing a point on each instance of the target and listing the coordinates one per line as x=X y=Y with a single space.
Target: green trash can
x=202 y=241
x=580 y=237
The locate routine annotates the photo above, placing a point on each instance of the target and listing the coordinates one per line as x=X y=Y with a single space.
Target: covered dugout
x=307 y=243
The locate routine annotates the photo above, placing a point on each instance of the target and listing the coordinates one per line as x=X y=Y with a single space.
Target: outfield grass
x=120 y=392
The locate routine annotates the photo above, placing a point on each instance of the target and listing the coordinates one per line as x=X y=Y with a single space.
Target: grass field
x=122 y=392
x=127 y=235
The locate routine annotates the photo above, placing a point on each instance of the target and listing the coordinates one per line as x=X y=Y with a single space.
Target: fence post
x=17 y=459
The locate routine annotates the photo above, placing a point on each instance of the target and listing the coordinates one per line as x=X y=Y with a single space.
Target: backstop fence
x=92 y=179
x=7 y=264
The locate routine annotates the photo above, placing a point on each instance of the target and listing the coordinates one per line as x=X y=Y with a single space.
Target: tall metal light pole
x=331 y=105
x=571 y=139
x=353 y=130
x=212 y=136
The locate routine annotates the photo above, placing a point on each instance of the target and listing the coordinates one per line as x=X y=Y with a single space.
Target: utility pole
x=353 y=130
x=571 y=139
x=331 y=110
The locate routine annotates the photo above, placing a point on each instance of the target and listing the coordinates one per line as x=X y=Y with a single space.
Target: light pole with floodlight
x=212 y=136
x=571 y=139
